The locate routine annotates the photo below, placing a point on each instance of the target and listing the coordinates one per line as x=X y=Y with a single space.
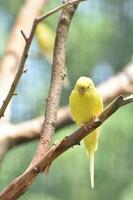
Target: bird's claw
x=96 y=119
x=85 y=126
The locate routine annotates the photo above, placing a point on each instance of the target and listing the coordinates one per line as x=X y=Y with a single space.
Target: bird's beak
x=81 y=91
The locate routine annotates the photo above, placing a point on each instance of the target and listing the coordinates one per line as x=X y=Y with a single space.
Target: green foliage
x=12 y=6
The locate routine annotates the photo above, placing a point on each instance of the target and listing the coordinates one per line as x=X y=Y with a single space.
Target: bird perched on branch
x=85 y=104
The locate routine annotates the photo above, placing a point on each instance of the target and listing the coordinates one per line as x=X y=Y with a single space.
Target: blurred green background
x=100 y=44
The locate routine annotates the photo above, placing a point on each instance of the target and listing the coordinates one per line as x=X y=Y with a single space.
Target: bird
x=86 y=104
x=45 y=37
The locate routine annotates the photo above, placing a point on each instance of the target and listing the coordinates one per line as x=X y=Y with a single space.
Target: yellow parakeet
x=85 y=104
x=45 y=37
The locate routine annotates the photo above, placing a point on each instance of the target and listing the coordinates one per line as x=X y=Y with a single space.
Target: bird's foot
x=96 y=119
x=86 y=127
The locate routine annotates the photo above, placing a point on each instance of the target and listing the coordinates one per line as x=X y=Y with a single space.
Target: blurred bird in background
x=45 y=37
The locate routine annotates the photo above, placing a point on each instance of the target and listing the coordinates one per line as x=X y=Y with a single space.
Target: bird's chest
x=84 y=108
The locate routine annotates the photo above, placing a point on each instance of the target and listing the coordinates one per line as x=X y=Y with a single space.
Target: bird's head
x=84 y=85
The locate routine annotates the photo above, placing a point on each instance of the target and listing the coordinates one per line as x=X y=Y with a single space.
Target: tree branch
x=20 y=184
x=58 y=75
x=25 y=54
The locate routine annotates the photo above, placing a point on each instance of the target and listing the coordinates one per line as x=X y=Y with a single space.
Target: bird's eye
x=88 y=87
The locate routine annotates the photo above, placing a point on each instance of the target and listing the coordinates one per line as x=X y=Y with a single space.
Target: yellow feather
x=86 y=103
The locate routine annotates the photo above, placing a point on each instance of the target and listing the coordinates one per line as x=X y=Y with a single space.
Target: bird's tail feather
x=91 y=168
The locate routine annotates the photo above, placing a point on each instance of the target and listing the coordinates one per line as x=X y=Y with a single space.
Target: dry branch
x=21 y=183
x=57 y=79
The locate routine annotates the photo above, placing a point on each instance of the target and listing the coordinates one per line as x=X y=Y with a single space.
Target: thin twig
x=24 y=36
x=25 y=54
x=67 y=3
x=21 y=183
